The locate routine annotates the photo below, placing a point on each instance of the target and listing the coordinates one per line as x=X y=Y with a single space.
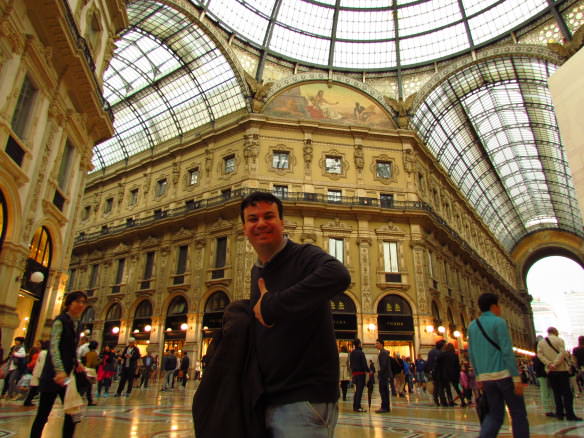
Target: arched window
x=111 y=327
x=393 y=305
x=344 y=319
x=178 y=306
x=41 y=247
x=144 y=310
x=114 y=313
x=86 y=321
x=142 y=324
x=217 y=302
x=436 y=313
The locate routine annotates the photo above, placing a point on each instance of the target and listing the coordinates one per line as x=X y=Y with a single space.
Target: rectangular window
x=334 y=195
x=119 y=276
x=337 y=249
x=65 y=166
x=149 y=265
x=229 y=164
x=24 y=106
x=220 y=257
x=280 y=160
x=93 y=276
x=161 y=187
x=390 y=260
x=71 y=281
x=193 y=176
x=386 y=200
x=109 y=203
x=133 y=197
x=86 y=213
x=383 y=169
x=281 y=191
x=333 y=165
x=430 y=265
x=181 y=264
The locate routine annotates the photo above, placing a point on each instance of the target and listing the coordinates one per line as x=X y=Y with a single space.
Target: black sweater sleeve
x=325 y=277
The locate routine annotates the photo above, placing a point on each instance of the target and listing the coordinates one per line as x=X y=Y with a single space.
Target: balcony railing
x=291 y=197
x=238 y=195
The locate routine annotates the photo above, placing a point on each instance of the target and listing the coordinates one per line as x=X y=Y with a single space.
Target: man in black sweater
x=291 y=286
x=359 y=369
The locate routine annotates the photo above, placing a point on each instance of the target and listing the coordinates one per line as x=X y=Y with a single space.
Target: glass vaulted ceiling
x=166 y=78
x=493 y=129
x=370 y=34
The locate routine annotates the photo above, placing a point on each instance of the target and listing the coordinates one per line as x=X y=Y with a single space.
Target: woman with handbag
x=60 y=363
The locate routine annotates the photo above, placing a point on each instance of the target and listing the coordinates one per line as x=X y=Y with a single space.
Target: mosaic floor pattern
x=149 y=413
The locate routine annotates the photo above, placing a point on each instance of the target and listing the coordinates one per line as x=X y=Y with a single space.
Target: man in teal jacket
x=491 y=354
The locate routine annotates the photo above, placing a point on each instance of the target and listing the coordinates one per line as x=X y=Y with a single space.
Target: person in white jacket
x=552 y=352
x=36 y=374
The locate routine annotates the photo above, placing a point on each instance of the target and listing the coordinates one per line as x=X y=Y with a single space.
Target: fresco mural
x=334 y=103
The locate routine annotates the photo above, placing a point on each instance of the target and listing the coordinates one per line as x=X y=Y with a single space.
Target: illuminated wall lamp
x=441 y=329
x=371 y=327
x=456 y=334
x=430 y=329
x=147 y=327
x=184 y=326
x=37 y=277
x=115 y=330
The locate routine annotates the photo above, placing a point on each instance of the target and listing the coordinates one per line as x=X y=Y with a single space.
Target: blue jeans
x=302 y=420
x=499 y=393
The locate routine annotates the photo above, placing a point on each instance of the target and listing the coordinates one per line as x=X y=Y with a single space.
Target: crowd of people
x=127 y=366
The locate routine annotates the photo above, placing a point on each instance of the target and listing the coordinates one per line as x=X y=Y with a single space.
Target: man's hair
x=379 y=340
x=440 y=344
x=74 y=296
x=357 y=342
x=486 y=300
x=19 y=339
x=552 y=331
x=581 y=341
x=93 y=345
x=255 y=197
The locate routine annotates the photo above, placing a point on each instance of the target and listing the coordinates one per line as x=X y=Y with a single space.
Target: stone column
x=368 y=314
x=423 y=316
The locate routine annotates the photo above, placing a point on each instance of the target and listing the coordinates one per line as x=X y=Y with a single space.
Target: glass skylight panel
x=365 y=25
x=364 y=55
x=426 y=16
x=306 y=17
x=503 y=17
x=435 y=45
x=241 y=19
x=471 y=7
x=363 y=4
x=295 y=45
x=264 y=6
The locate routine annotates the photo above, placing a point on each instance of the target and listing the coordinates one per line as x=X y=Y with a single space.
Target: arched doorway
x=142 y=325
x=213 y=317
x=33 y=284
x=344 y=320
x=396 y=325
x=86 y=322
x=175 y=325
x=111 y=326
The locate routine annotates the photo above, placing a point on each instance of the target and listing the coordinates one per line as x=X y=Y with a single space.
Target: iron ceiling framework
x=492 y=127
x=166 y=77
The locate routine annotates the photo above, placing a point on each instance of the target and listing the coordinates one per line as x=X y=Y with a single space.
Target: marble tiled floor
x=149 y=413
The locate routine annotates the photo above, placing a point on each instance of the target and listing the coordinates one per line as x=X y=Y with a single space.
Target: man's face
x=77 y=307
x=263 y=226
x=378 y=345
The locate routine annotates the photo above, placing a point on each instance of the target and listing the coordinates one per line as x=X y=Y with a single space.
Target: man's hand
x=518 y=388
x=60 y=378
x=257 y=309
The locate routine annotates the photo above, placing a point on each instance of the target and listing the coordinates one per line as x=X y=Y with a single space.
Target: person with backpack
x=545 y=390
x=492 y=357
